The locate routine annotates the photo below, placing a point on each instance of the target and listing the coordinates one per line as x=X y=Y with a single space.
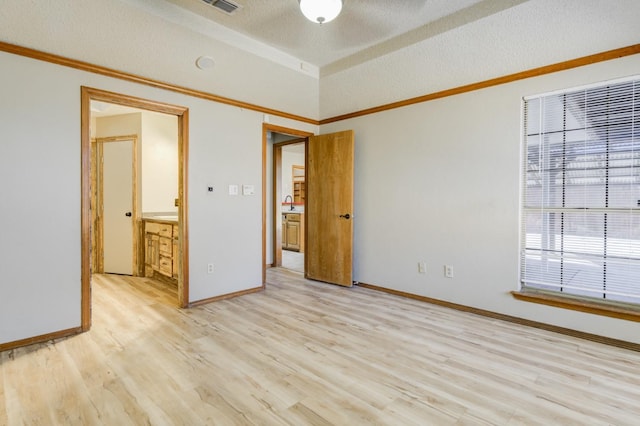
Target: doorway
x=89 y=96
x=292 y=196
x=272 y=144
x=328 y=204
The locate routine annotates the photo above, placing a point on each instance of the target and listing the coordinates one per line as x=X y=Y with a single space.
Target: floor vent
x=223 y=5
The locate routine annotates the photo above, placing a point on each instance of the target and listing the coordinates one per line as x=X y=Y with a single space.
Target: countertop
x=161 y=218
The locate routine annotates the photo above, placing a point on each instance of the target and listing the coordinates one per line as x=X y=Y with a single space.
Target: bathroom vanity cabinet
x=161 y=248
x=293 y=231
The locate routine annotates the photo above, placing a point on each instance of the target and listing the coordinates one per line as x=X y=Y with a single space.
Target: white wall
x=40 y=186
x=121 y=125
x=438 y=182
x=40 y=183
x=414 y=200
x=159 y=162
x=157 y=155
x=118 y=125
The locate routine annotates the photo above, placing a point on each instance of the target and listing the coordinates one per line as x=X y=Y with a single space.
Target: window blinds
x=581 y=192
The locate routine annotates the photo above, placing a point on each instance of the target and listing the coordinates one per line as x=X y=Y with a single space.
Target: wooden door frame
x=277 y=186
x=88 y=94
x=97 y=200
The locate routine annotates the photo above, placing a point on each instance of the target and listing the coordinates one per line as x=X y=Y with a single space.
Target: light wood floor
x=293 y=260
x=309 y=353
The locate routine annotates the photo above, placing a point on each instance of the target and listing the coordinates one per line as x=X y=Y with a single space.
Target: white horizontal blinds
x=581 y=183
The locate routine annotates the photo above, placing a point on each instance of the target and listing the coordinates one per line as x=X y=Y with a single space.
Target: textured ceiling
x=161 y=40
x=362 y=25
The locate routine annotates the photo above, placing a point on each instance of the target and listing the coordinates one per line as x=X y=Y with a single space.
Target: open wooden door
x=329 y=208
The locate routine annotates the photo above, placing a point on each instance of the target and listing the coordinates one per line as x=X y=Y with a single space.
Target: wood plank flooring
x=306 y=353
x=293 y=260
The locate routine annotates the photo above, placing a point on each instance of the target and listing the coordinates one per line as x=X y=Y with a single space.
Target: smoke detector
x=223 y=5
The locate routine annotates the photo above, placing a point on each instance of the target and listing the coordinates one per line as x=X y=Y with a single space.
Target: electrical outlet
x=210 y=268
x=448 y=271
x=422 y=267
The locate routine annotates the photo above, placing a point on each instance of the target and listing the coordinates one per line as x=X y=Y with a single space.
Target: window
x=581 y=192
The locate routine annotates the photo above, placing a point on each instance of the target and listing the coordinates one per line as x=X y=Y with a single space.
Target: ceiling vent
x=223 y=5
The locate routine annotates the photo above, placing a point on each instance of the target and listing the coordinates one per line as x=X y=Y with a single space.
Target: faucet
x=285 y=201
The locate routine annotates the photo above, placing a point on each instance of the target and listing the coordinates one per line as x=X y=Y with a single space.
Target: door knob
x=346 y=216
x=128 y=214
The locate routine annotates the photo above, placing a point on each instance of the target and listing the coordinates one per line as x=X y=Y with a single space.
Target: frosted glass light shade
x=320 y=11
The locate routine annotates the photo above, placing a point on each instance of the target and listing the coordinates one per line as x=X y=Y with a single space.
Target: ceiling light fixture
x=320 y=11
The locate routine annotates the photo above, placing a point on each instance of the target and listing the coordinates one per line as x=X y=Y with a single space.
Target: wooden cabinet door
x=293 y=235
x=165 y=265
x=151 y=255
x=155 y=257
x=284 y=231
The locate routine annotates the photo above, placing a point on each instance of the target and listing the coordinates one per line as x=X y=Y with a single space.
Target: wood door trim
x=87 y=94
x=97 y=261
x=123 y=138
x=277 y=190
x=276 y=187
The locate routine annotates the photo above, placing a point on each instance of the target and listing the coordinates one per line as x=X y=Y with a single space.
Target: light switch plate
x=233 y=189
x=248 y=189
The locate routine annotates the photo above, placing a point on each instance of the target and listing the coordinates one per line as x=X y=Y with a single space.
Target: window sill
x=582 y=305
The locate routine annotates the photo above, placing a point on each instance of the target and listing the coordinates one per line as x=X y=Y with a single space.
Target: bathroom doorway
x=328 y=228
x=134 y=112
x=286 y=236
x=292 y=196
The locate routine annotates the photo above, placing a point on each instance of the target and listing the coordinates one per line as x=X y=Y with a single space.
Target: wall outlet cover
x=448 y=271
